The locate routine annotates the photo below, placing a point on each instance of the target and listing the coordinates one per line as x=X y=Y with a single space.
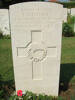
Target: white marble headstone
x=73 y=11
x=68 y=10
x=4 y=21
x=36 y=31
x=65 y=14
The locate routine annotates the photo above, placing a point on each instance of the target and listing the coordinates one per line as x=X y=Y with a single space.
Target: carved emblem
x=37 y=54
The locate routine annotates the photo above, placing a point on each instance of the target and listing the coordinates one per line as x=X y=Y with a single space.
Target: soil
x=67 y=91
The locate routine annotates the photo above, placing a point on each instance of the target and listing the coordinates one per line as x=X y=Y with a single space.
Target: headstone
x=73 y=11
x=68 y=10
x=65 y=14
x=36 y=31
x=4 y=21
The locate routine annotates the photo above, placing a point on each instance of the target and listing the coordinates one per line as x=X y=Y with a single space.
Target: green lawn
x=67 y=60
x=6 y=66
x=68 y=50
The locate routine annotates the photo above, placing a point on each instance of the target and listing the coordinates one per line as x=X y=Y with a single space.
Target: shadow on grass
x=6 y=88
x=67 y=71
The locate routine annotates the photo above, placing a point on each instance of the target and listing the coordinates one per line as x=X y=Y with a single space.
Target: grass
x=6 y=66
x=67 y=71
x=68 y=50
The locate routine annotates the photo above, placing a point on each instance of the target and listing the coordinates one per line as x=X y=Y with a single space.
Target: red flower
x=19 y=92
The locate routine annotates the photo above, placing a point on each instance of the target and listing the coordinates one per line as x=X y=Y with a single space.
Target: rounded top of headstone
x=52 y=10
x=39 y=3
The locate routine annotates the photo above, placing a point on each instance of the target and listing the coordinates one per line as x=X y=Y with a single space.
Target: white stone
x=73 y=11
x=4 y=21
x=65 y=14
x=68 y=11
x=36 y=31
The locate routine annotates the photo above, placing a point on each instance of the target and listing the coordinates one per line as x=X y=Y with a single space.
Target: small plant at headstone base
x=2 y=92
x=1 y=34
x=32 y=96
x=72 y=81
x=67 y=30
x=60 y=98
x=15 y=97
x=72 y=84
x=5 y=89
x=6 y=37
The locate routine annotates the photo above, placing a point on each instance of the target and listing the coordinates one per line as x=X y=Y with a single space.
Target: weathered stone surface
x=36 y=31
x=4 y=21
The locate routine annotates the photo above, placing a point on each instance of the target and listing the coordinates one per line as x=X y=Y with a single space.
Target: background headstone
x=65 y=14
x=68 y=11
x=73 y=11
x=36 y=31
x=4 y=21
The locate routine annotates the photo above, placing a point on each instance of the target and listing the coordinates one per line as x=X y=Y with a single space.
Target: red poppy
x=19 y=92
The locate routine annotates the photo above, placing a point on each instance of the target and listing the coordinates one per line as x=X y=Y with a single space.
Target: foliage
x=68 y=27
x=32 y=96
x=68 y=4
x=60 y=98
x=69 y=18
x=73 y=79
x=71 y=21
x=2 y=92
x=67 y=30
x=72 y=97
x=6 y=37
x=1 y=34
